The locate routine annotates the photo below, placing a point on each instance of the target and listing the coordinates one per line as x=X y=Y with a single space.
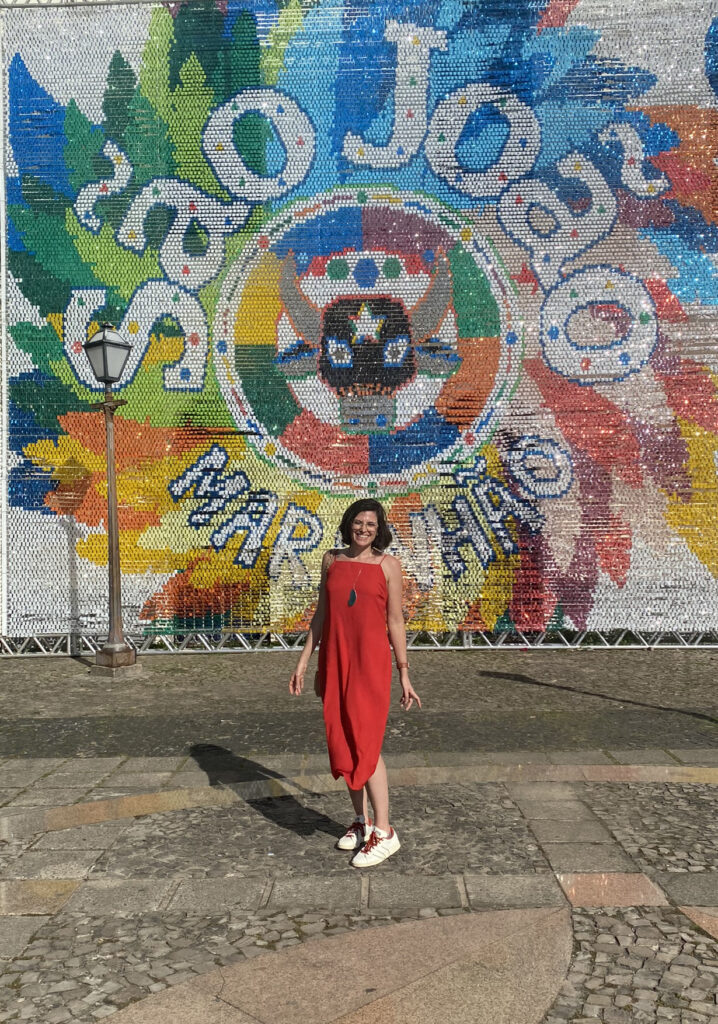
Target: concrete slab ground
x=419 y=971
x=611 y=889
x=696 y=889
x=705 y=917
x=34 y=896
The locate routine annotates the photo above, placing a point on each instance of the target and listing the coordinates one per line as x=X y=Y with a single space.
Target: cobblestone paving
x=504 y=680
x=473 y=700
x=638 y=966
x=461 y=828
x=81 y=968
x=666 y=827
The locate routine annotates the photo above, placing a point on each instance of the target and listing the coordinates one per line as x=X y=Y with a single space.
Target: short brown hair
x=383 y=534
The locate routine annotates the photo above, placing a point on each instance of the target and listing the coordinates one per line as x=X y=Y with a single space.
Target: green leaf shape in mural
x=477 y=314
x=290 y=21
x=40 y=287
x=251 y=134
x=117 y=268
x=266 y=387
x=52 y=266
x=54 y=398
x=147 y=144
x=157 y=223
x=198 y=32
x=120 y=89
x=195 y=240
x=41 y=343
x=154 y=75
x=83 y=147
x=191 y=104
x=238 y=61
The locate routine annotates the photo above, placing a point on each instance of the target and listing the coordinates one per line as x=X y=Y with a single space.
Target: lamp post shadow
x=72 y=534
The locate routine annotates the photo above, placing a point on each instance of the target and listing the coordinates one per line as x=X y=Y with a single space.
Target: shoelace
x=373 y=840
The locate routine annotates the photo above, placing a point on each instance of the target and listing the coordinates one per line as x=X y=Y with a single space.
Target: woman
x=359 y=600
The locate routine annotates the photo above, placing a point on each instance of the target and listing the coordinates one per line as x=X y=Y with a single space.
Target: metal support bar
x=75 y=644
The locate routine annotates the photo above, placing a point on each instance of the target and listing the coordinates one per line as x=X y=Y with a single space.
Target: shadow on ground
x=620 y=701
x=225 y=768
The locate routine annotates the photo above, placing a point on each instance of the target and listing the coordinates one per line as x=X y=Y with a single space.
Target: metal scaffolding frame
x=81 y=645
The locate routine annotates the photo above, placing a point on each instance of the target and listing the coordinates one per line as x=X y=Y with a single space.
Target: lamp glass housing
x=108 y=352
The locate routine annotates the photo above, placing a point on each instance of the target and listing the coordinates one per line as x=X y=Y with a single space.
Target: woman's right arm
x=296 y=683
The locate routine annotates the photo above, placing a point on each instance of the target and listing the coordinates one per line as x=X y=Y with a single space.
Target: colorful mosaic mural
x=460 y=256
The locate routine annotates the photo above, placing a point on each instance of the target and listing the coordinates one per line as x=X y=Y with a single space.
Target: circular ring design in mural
x=367 y=341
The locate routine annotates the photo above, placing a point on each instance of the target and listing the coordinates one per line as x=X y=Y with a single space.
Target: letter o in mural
x=541 y=467
x=606 y=295
x=366 y=340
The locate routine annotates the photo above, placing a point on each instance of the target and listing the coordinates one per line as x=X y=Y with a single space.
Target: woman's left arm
x=397 y=631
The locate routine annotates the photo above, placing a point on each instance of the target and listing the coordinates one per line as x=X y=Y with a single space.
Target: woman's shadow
x=223 y=768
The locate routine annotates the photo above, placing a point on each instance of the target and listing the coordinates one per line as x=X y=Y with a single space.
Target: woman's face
x=364 y=529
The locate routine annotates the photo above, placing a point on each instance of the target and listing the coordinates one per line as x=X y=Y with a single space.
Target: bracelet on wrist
x=402 y=664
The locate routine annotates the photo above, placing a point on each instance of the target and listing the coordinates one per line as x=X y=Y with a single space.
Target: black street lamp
x=108 y=352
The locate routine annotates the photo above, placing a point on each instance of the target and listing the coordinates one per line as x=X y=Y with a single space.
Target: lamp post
x=108 y=352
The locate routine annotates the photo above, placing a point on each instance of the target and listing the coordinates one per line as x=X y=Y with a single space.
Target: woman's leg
x=378 y=789
x=359 y=802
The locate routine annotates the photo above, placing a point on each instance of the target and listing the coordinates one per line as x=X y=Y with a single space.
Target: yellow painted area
x=309 y=499
x=256 y=320
x=494 y=465
x=695 y=520
x=133 y=558
x=49 y=456
x=497 y=590
x=173 y=533
x=219 y=568
x=144 y=487
x=428 y=621
x=55 y=321
x=164 y=348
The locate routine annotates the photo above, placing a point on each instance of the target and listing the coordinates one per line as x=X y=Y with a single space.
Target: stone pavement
x=200 y=886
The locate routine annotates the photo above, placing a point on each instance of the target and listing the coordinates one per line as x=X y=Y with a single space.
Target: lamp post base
x=116 y=656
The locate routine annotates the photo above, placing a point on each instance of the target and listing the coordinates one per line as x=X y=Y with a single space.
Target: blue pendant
x=352 y=597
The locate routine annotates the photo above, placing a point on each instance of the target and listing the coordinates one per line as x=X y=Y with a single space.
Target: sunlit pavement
x=567 y=881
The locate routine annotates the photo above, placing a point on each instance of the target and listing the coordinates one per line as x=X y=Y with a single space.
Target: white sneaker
x=356 y=835
x=376 y=849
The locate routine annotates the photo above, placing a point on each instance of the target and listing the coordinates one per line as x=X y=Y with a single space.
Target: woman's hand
x=408 y=694
x=296 y=683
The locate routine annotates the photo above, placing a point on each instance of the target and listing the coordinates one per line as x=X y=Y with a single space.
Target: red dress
x=355 y=668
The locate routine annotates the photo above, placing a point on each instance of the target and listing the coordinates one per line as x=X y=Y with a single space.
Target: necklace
x=352 y=592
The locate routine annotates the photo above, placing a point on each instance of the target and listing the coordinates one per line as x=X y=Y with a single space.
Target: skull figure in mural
x=366 y=344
